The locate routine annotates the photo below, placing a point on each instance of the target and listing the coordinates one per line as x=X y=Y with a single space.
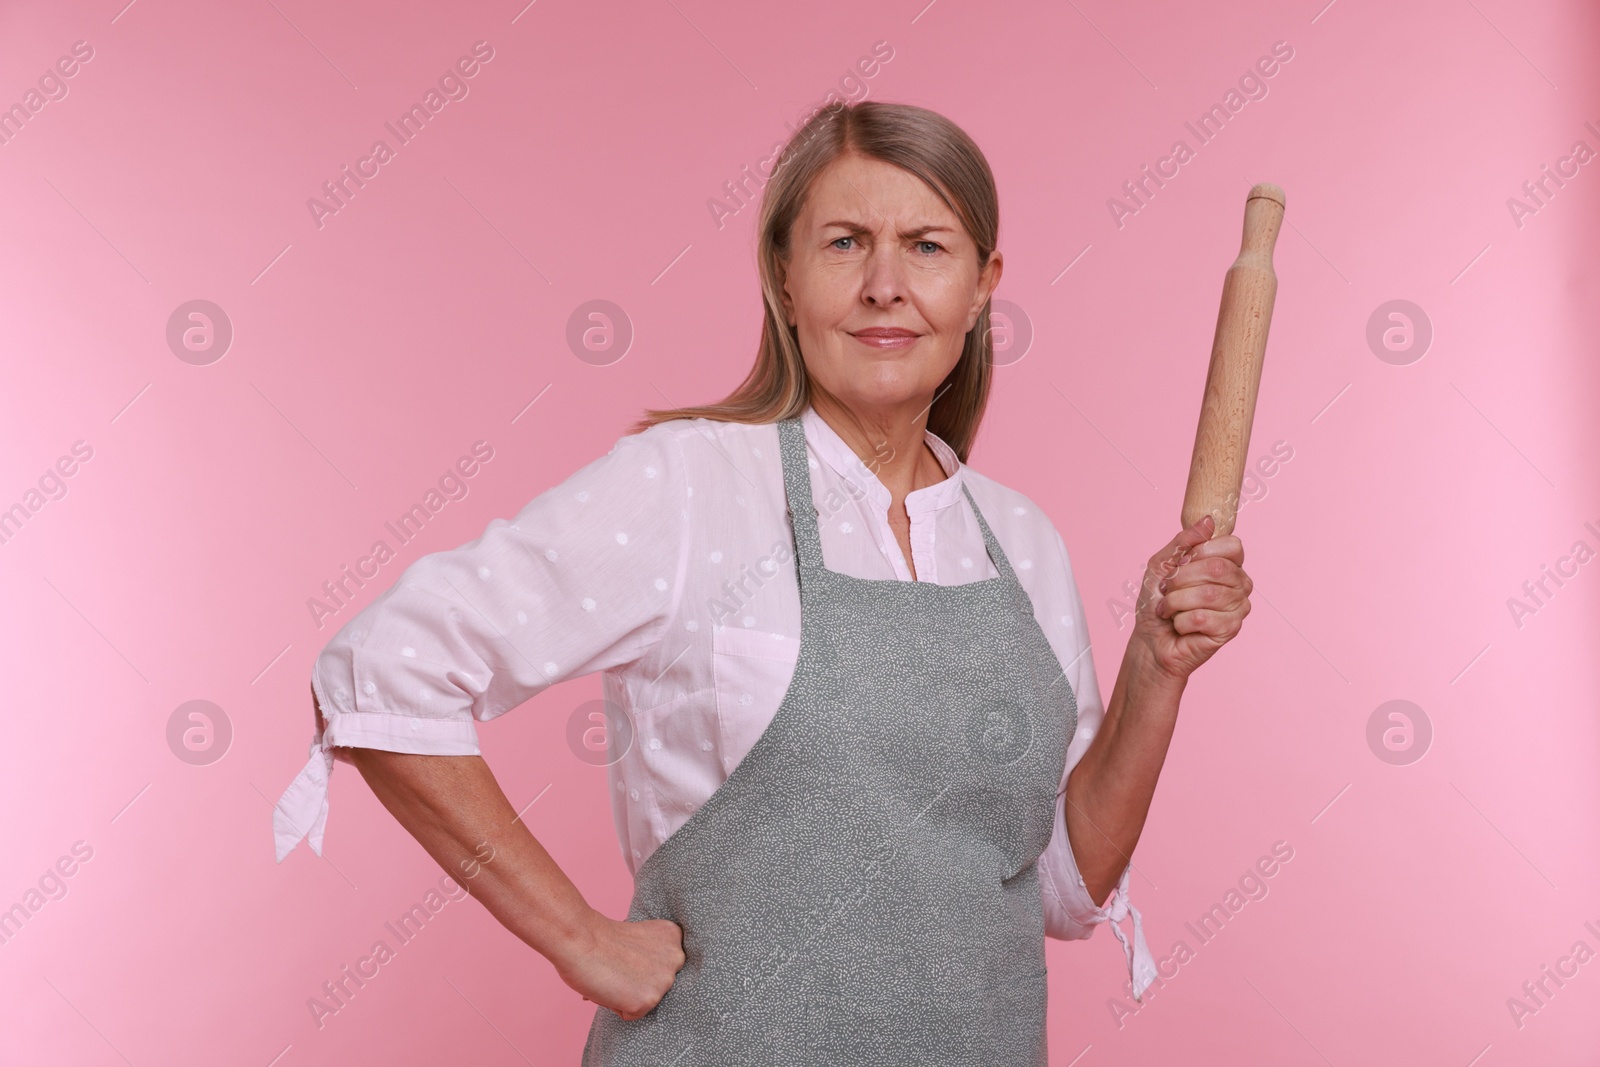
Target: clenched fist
x=625 y=966
x=1193 y=599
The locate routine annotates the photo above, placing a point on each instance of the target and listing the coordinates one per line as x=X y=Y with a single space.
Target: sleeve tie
x=302 y=811
x=1141 y=965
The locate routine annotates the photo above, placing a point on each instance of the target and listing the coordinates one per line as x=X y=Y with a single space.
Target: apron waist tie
x=302 y=811
x=1141 y=965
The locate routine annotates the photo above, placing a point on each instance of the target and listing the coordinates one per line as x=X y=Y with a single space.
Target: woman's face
x=875 y=249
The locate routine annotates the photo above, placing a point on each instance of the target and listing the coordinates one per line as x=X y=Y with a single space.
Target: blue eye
x=838 y=239
x=935 y=244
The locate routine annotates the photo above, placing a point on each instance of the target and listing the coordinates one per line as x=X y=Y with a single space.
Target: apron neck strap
x=990 y=541
x=797 y=487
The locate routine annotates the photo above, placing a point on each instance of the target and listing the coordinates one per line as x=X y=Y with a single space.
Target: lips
x=885 y=337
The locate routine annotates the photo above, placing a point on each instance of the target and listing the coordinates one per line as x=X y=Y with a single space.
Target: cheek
x=810 y=287
x=827 y=296
x=944 y=296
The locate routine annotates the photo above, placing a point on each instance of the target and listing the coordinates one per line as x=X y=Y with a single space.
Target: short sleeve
x=1070 y=912
x=584 y=578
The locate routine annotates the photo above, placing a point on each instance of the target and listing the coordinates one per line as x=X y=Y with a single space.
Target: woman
x=856 y=672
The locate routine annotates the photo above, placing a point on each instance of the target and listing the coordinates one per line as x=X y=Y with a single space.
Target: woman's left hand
x=1193 y=599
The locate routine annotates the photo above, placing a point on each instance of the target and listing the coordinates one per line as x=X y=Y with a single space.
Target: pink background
x=369 y=353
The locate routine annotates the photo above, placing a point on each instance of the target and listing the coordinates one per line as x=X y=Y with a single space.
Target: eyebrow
x=856 y=227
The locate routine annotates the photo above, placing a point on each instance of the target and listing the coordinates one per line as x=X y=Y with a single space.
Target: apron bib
x=862 y=887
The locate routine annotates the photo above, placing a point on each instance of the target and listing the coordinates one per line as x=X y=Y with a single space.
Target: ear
x=988 y=281
x=783 y=293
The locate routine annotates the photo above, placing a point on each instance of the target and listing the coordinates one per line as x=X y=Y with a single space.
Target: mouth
x=885 y=338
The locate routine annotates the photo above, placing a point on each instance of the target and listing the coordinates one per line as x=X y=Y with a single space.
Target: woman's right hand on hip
x=625 y=966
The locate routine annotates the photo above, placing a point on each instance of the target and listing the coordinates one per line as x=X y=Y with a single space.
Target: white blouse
x=667 y=564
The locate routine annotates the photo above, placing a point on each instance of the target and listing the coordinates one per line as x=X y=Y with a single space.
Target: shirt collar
x=843 y=459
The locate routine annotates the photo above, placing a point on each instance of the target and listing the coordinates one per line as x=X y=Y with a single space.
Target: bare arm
x=1194 y=598
x=1109 y=791
x=457 y=811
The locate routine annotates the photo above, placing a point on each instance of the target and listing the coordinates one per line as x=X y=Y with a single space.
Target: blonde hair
x=929 y=146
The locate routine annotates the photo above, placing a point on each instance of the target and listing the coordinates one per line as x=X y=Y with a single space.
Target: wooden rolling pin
x=1222 y=440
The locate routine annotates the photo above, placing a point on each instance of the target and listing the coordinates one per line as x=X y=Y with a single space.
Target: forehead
x=867 y=190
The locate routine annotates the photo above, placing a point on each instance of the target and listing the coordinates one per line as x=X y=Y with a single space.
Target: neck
x=891 y=442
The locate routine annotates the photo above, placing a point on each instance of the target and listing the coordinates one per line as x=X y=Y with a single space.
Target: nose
x=883 y=284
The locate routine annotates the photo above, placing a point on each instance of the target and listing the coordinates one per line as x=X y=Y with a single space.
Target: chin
x=889 y=390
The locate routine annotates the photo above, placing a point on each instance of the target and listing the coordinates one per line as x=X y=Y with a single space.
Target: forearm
x=1109 y=791
x=457 y=811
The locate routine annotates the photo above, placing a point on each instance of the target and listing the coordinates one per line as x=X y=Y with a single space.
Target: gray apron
x=862 y=888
